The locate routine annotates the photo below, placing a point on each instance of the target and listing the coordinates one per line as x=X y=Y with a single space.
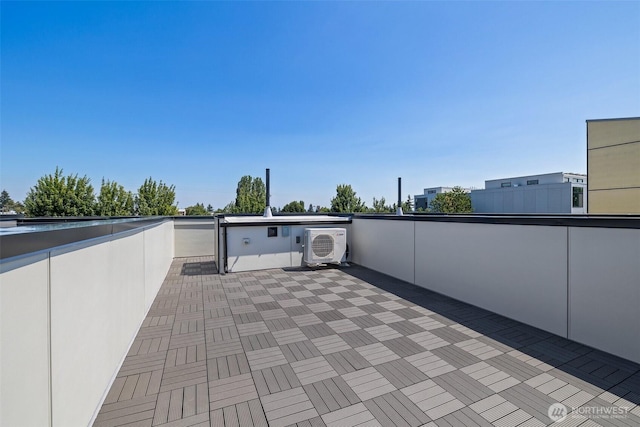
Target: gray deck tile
x=404 y=347
x=279 y=324
x=288 y=336
x=368 y=383
x=330 y=395
x=407 y=327
x=258 y=341
x=310 y=345
x=358 y=338
x=435 y=401
x=377 y=353
x=401 y=373
x=464 y=417
x=517 y=369
x=429 y=364
x=225 y=348
x=312 y=370
x=330 y=315
x=330 y=344
x=463 y=387
x=227 y=366
x=231 y=391
x=265 y=358
x=288 y=407
x=299 y=350
x=347 y=361
x=317 y=331
x=455 y=356
x=246 y=316
x=367 y=321
x=354 y=415
x=276 y=379
x=383 y=332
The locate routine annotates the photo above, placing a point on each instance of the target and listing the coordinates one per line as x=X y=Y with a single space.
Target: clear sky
x=198 y=94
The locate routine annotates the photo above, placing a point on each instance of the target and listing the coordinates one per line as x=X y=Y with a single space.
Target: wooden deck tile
x=368 y=383
x=326 y=347
x=377 y=353
x=401 y=373
x=312 y=370
x=354 y=415
x=288 y=407
x=265 y=358
x=231 y=391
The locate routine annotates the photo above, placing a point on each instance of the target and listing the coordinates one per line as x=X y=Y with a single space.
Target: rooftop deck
x=347 y=347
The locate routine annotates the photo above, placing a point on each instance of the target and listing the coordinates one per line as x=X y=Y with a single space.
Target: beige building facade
x=613 y=166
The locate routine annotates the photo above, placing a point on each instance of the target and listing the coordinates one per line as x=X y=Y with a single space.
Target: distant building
x=423 y=200
x=613 y=165
x=553 y=193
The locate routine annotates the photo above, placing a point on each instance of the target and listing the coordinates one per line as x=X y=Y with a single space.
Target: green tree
x=346 y=200
x=5 y=200
x=114 y=200
x=455 y=201
x=7 y=204
x=380 y=206
x=209 y=208
x=407 y=205
x=293 y=207
x=155 y=199
x=250 y=196
x=197 y=209
x=57 y=195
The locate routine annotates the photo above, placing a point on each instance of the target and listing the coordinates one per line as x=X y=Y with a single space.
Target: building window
x=578 y=197
x=431 y=192
x=505 y=184
x=532 y=182
x=579 y=180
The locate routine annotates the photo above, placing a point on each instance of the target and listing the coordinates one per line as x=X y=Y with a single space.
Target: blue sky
x=198 y=94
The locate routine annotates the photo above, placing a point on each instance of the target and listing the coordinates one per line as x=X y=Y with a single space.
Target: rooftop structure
x=613 y=165
x=551 y=193
x=141 y=325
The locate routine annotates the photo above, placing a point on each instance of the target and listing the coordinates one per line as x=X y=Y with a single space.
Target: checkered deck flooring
x=348 y=347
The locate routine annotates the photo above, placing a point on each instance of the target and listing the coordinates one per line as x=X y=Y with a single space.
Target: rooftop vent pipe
x=267 y=209
x=399 y=211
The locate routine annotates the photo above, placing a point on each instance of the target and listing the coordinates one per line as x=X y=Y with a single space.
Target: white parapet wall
x=68 y=316
x=576 y=281
x=194 y=236
x=604 y=289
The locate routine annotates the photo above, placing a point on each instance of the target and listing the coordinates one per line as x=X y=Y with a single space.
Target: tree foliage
x=5 y=199
x=114 y=200
x=209 y=208
x=346 y=200
x=454 y=201
x=7 y=204
x=197 y=209
x=250 y=196
x=294 y=207
x=57 y=195
x=155 y=199
x=380 y=206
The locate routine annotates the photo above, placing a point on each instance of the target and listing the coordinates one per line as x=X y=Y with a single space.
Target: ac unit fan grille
x=322 y=245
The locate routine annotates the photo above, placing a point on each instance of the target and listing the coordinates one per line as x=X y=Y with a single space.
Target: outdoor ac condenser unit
x=325 y=245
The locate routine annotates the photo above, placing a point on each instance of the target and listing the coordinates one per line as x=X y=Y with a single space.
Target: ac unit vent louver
x=325 y=245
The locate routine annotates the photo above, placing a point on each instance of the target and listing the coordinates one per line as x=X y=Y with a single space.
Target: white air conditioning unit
x=325 y=245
